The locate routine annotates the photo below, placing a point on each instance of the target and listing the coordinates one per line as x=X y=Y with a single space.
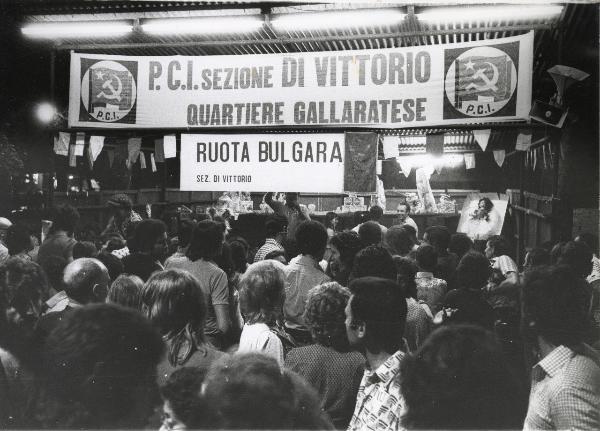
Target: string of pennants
x=131 y=150
x=534 y=157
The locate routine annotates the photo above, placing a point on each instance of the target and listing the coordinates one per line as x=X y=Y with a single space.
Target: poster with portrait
x=482 y=215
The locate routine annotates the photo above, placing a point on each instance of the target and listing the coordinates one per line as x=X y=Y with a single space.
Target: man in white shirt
x=404 y=218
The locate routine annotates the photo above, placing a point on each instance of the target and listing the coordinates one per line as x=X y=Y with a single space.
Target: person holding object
x=291 y=209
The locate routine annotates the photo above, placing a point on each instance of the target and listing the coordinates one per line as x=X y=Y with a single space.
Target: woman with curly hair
x=344 y=246
x=329 y=365
x=262 y=293
x=175 y=304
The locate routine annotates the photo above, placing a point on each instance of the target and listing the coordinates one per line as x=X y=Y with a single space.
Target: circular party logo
x=108 y=91
x=481 y=81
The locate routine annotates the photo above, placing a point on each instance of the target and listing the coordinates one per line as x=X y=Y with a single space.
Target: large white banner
x=262 y=163
x=473 y=82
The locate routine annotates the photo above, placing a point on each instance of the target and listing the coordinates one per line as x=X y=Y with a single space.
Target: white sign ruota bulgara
x=261 y=163
x=472 y=82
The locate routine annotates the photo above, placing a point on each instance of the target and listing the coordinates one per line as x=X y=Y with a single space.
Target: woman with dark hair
x=460 y=379
x=262 y=293
x=331 y=223
x=239 y=253
x=176 y=306
x=147 y=250
x=206 y=247
x=126 y=290
x=344 y=247
x=467 y=303
x=329 y=365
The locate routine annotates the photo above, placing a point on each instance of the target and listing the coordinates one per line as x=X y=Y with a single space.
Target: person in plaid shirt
x=375 y=320
x=565 y=383
x=275 y=227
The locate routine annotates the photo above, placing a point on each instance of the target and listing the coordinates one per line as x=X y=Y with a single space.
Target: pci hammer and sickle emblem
x=115 y=94
x=490 y=84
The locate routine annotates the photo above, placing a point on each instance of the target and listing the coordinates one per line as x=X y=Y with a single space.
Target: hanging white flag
x=405 y=164
x=61 y=143
x=499 y=156
x=391 y=146
x=133 y=149
x=142 y=160
x=79 y=143
x=482 y=137
x=523 y=142
x=469 y=161
x=94 y=149
x=152 y=162
x=170 y=146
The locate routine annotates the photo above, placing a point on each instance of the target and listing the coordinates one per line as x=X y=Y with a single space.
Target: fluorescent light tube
x=336 y=19
x=91 y=29
x=204 y=25
x=490 y=14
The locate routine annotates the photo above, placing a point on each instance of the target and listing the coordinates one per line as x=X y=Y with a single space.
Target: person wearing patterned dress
x=375 y=320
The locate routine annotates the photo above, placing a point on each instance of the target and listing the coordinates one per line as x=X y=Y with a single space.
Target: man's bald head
x=86 y=280
x=4 y=225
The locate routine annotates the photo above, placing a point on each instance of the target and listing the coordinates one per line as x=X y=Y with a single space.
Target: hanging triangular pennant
x=142 y=160
x=61 y=143
x=469 y=161
x=152 y=162
x=391 y=146
x=159 y=151
x=111 y=157
x=79 y=143
x=405 y=163
x=482 y=137
x=94 y=148
x=170 y=146
x=499 y=156
x=523 y=142
x=133 y=149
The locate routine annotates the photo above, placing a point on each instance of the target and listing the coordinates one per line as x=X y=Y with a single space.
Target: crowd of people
x=362 y=329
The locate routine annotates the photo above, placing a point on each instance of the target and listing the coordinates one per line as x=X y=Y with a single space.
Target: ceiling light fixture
x=336 y=19
x=489 y=13
x=51 y=30
x=204 y=25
